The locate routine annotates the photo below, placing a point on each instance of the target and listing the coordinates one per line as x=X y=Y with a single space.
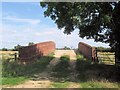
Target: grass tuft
x=13 y=81
x=60 y=84
x=62 y=68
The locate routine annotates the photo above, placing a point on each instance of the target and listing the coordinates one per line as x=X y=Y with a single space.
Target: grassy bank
x=96 y=75
x=14 y=73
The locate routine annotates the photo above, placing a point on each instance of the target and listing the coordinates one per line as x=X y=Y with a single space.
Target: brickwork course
x=35 y=51
x=88 y=51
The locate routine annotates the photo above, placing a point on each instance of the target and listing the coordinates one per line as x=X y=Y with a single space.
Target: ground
x=45 y=80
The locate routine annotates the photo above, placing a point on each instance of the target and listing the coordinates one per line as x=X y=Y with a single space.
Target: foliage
x=60 y=84
x=4 y=49
x=30 y=43
x=90 y=18
x=13 y=80
x=62 y=68
x=15 y=73
x=14 y=69
x=79 y=57
x=98 y=84
x=102 y=49
x=66 y=48
x=88 y=71
x=100 y=21
x=51 y=54
x=16 y=48
x=65 y=58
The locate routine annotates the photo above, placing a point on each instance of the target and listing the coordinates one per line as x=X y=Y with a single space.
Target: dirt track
x=71 y=53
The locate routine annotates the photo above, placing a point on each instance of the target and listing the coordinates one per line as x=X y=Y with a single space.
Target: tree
x=4 y=49
x=30 y=43
x=16 y=48
x=66 y=48
x=95 y=20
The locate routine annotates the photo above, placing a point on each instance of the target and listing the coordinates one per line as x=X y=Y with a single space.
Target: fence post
x=15 y=56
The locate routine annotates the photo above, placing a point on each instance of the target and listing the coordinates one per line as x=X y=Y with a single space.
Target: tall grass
x=15 y=70
x=62 y=68
x=96 y=75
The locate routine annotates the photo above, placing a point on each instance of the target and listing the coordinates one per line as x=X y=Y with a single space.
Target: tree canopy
x=16 y=48
x=95 y=20
x=30 y=43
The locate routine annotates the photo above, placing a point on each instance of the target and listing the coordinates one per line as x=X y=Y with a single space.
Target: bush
x=79 y=57
x=65 y=58
x=4 y=49
x=105 y=49
x=61 y=69
x=82 y=63
x=14 y=69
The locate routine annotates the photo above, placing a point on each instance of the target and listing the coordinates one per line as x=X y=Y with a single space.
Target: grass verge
x=14 y=73
x=98 y=84
x=13 y=81
x=60 y=84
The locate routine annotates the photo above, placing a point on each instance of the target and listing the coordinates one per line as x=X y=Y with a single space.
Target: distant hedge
x=102 y=49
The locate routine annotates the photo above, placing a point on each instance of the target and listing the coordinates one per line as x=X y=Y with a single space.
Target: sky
x=24 y=22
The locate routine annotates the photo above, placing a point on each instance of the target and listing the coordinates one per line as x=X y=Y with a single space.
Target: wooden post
x=15 y=56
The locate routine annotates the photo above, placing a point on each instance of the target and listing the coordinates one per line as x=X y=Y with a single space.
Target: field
x=106 y=57
x=5 y=55
x=66 y=73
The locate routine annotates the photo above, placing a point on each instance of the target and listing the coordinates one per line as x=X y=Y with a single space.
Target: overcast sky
x=24 y=22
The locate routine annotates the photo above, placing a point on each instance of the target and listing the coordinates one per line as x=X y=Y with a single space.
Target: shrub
x=14 y=69
x=61 y=69
x=65 y=57
x=79 y=57
x=4 y=49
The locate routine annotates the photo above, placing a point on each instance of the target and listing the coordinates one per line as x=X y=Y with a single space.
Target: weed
x=65 y=58
x=61 y=69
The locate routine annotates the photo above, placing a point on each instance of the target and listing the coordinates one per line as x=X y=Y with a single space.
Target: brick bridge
x=29 y=53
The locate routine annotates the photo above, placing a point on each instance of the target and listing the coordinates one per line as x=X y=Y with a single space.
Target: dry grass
x=6 y=55
x=106 y=57
x=8 y=52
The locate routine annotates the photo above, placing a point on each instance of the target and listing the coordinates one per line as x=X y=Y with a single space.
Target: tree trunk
x=116 y=31
x=117 y=55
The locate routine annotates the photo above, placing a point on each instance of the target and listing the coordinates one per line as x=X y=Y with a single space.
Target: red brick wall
x=87 y=50
x=37 y=50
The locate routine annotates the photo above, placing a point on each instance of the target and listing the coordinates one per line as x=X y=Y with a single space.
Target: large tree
x=95 y=20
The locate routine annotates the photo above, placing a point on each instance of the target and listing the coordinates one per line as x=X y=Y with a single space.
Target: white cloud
x=44 y=33
x=49 y=32
x=22 y=35
x=22 y=20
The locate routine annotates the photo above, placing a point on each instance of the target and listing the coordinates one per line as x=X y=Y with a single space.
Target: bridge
x=31 y=53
